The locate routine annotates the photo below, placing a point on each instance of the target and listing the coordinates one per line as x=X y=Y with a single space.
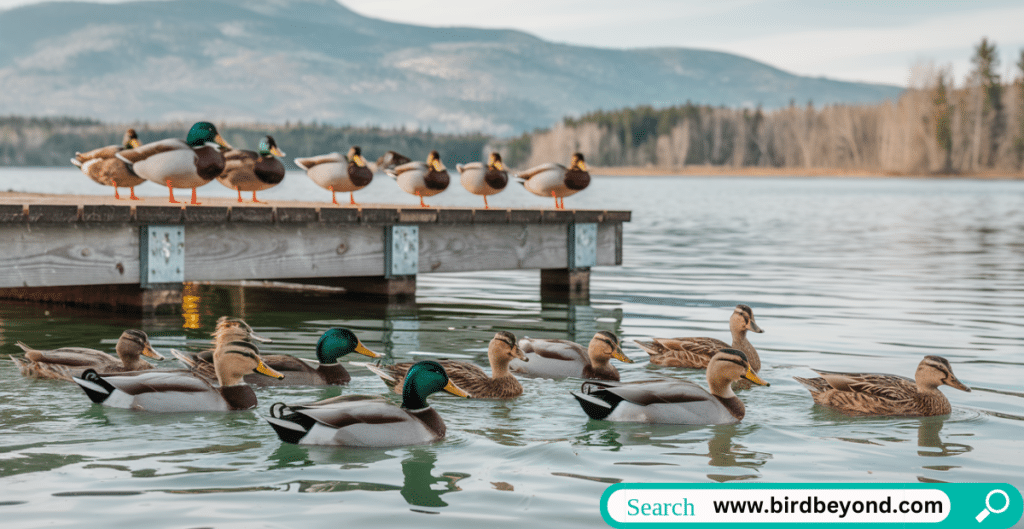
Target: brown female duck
x=253 y=170
x=67 y=362
x=103 y=166
x=500 y=385
x=698 y=352
x=873 y=394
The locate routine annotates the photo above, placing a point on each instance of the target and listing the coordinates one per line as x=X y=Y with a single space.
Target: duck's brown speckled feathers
x=471 y=378
x=695 y=353
x=67 y=362
x=563 y=358
x=881 y=394
x=248 y=171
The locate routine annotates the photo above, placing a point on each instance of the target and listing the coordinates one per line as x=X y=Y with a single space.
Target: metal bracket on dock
x=161 y=255
x=401 y=250
x=582 y=245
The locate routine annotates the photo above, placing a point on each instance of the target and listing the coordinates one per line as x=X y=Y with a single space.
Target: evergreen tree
x=943 y=119
x=986 y=75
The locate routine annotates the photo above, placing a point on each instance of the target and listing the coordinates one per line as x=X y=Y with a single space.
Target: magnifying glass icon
x=988 y=506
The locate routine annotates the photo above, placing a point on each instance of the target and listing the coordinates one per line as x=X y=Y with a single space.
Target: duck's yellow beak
x=220 y=141
x=751 y=376
x=359 y=160
x=134 y=143
x=582 y=166
x=455 y=390
x=620 y=356
x=277 y=152
x=150 y=352
x=499 y=166
x=264 y=369
x=361 y=349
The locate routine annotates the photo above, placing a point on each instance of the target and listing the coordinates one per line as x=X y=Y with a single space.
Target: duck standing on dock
x=253 y=170
x=338 y=173
x=873 y=394
x=416 y=178
x=183 y=164
x=484 y=180
x=103 y=166
x=556 y=180
x=673 y=401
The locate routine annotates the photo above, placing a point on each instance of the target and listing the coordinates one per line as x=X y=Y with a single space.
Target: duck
x=183 y=164
x=501 y=384
x=335 y=172
x=253 y=170
x=556 y=180
x=484 y=180
x=369 y=421
x=67 y=362
x=325 y=371
x=875 y=394
x=562 y=358
x=697 y=352
x=181 y=390
x=103 y=166
x=416 y=178
x=673 y=401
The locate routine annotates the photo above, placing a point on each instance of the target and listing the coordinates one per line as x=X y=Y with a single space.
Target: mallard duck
x=563 y=358
x=673 y=401
x=500 y=385
x=326 y=370
x=416 y=178
x=253 y=170
x=366 y=421
x=67 y=362
x=484 y=180
x=556 y=180
x=872 y=394
x=697 y=352
x=177 y=391
x=103 y=166
x=336 y=173
x=184 y=164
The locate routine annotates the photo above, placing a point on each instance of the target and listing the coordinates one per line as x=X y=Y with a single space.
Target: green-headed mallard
x=325 y=371
x=563 y=358
x=673 y=401
x=484 y=180
x=183 y=164
x=360 y=420
x=872 y=394
x=556 y=180
x=178 y=391
x=67 y=362
x=104 y=167
x=253 y=170
x=500 y=385
x=416 y=178
x=697 y=352
x=338 y=173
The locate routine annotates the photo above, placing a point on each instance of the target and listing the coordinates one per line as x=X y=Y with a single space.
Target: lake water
x=843 y=274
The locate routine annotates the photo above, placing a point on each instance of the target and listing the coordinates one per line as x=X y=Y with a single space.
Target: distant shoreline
x=717 y=170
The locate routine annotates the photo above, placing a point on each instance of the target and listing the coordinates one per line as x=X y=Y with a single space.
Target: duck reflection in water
x=724 y=452
x=418 y=488
x=928 y=437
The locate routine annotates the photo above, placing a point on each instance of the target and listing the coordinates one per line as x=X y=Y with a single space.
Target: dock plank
x=69 y=254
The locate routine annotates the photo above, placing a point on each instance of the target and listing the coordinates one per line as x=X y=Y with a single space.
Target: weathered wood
x=334 y=215
x=118 y=298
x=303 y=215
x=378 y=216
x=205 y=214
x=40 y=213
x=12 y=213
x=68 y=254
x=252 y=214
x=572 y=284
x=272 y=251
x=490 y=215
x=106 y=214
x=158 y=214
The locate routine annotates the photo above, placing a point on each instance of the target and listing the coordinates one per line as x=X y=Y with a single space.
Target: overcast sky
x=856 y=40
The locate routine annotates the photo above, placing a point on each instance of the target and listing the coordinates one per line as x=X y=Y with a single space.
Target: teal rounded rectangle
x=980 y=505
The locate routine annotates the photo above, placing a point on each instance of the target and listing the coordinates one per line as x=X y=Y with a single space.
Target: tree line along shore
x=936 y=127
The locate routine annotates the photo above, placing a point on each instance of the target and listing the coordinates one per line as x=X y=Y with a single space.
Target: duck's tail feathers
x=648 y=347
x=75 y=161
x=95 y=386
x=814 y=385
x=291 y=427
x=378 y=370
x=185 y=360
x=593 y=406
x=23 y=346
x=298 y=162
x=123 y=159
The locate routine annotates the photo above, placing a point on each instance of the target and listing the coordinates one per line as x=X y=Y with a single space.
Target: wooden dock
x=94 y=251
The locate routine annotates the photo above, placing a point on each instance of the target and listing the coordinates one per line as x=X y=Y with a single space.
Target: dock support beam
x=573 y=281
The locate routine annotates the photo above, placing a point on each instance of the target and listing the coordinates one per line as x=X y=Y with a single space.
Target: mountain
x=304 y=60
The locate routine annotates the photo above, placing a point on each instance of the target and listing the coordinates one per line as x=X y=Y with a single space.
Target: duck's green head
x=338 y=342
x=423 y=379
x=268 y=147
x=203 y=133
